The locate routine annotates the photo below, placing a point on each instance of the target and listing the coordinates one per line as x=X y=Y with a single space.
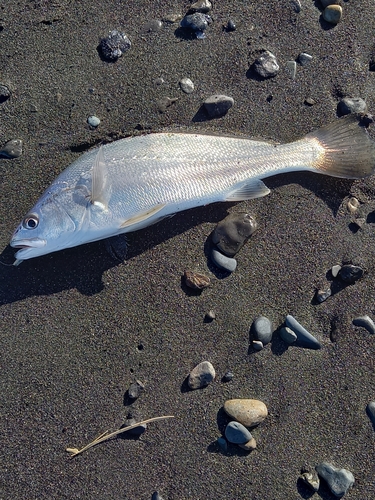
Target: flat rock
x=218 y=105
x=304 y=338
x=248 y=412
x=202 y=375
x=338 y=480
x=236 y=433
x=232 y=232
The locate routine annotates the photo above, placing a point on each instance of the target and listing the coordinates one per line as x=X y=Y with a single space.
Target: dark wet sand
x=77 y=328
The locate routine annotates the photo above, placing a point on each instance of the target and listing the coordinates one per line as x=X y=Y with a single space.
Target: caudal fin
x=348 y=150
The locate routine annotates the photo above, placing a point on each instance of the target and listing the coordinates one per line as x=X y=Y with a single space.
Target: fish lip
x=28 y=243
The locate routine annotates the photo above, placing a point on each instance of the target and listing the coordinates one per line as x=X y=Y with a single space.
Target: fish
x=134 y=182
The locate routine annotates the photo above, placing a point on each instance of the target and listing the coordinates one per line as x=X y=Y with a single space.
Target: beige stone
x=249 y=446
x=248 y=412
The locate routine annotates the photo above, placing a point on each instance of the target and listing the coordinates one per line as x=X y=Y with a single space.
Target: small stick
x=103 y=437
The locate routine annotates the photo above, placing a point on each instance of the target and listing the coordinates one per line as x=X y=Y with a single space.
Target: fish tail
x=346 y=149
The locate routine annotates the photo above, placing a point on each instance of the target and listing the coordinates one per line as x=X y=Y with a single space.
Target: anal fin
x=142 y=216
x=255 y=188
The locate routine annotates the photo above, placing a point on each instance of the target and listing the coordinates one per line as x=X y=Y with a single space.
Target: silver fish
x=134 y=182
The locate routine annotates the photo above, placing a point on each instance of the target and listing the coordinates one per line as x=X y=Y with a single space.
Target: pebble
x=218 y=105
x=227 y=377
x=156 y=496
x=332 y=14
x=172 y=18
x=197 y=22
x=249 y=446
x=304 y=59
x=203 y=6
x=338 y=480
x=114 y=45
x=223 y=262
x=257 y=345
x=304 y=338
x=93 y=121
x=365 y=322
x=186 y=85
x=210 y=315
x=322 y=295
x=370 y=410
x=165 y=102
x=159 y=81
x=353 y=205
x=231 y=25
x=202 y=375
x=196 y=281
x=266 y=65
x=236 y=433
x=223 y=444
x=310 y=477
x=248 y=412
x=335 y=270
x=309 y=101
x=350 y=274
x=232 y=232
x=296 y=4
x=349 y=105
x=152 y=26
x=291 y=66
x=137 y=431
x=5 y=92
x=12 y=149
x=262 y=329
x=135 y=389
x=287 y=335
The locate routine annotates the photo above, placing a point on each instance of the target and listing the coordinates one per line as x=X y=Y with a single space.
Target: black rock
x=232 y=233
x=112 y=47
x=350 y=273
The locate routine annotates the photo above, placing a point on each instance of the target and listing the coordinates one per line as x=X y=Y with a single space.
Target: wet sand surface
x=77 y=327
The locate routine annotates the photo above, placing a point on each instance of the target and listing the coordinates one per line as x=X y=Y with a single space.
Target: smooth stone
x=196 y=281
x=137 y=431
x=210 y=315
x=266 y=65
x=196 y=22
x=262 y=329
x=231 y=25
x=203 y=6
x=186 y=85
x=332 y=14
x=223 y=444
x=227 y=377
x=152 y=26
x=309 y=101
x=165 y=102
x=5 y=92
x=291 y=66
x=296 y=4
x=218 y=105
x=335 y=270
x=310 y=477
x=338 y=480
x=223 y=262
x=135 y=389
x=304 y=338
x=12 y=149
x=93 y=121
x=248 y=412
x=257 y=345
x=156 y=496
x=350 y=273
x=353 y=205
x=370 y=410
x=202 y=375
x=232 y=232
x=349 y=105
x=365 y=322
x=322 y=295
x=304 y=59
x=249 y=446
x=287 y=335
x=236 y=433
x=112 y=47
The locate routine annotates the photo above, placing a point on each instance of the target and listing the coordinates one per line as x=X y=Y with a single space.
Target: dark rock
x=350 y=273
x=232 y=233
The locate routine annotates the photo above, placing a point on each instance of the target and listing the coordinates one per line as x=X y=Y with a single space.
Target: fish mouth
x=28 y=248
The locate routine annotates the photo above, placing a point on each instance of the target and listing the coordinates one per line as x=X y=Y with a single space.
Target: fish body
x=134 y=182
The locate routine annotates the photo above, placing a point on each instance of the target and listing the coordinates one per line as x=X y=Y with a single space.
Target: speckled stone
x=236 y=433
x=186 y=85
x=338 y=480
x=12 y=149
x=202 y=375
x=248 y=412
x=93 y=121
x=135 y=389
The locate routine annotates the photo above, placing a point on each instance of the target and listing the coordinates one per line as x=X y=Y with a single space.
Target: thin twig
x=103 y=437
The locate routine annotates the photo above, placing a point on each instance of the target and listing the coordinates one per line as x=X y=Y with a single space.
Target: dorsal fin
x=100 y=192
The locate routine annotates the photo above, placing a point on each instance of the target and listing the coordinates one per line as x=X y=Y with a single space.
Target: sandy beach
x=78 y=327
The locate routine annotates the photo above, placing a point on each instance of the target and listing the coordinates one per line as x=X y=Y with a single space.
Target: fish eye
x=30 y=221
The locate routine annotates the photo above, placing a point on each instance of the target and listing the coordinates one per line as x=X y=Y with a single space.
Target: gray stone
x=202 y=375
x=266 y=65
x=203 y=6
x=210 y=315
x=304 y=338
x=257 y=345
x=152 y=26
x=291 y=66
x=164 y=103
x=93 y=121
x=287 y=335
x=335 y=270
x=227 y=377
x=197 y=22
x=262 y=329
x=322 y=295
x=332 y=14
x=222 y=443
x=232 y=232
x=349 y=105
x=12 y=149
x=5 y=92
x=218 y=105
x=137 y=431
x=186 y=85
x=223 y=262
x=370 y=410
x=112 y=47
x=338 y=480
x=156 y=496
x=231 y=25
x=365 y=322
x=310 y=477
x=135 y=389
x=304 y=59
x=236 y=433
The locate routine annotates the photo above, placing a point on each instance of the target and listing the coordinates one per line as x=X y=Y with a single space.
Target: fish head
x=55 y=222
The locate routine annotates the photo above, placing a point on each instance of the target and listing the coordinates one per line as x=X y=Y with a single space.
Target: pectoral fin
x=254 y=188
x=100 y=192
x=142 y=216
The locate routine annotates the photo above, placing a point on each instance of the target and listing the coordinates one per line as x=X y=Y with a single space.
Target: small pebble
x=248 y=412
x=232 y=232
x=227 y=377
x=287 y=335
x=335 y=270
x=304 y=59
x=296 y=4
x=137 y=431
x=93 y=121
x=353 y=205
x=112 y=47
x=304 y=338
x=203 y=6
x=172 y=18
x=135 y=389
x=236 y=433
x=5 y=92
x=202 y=375
x=338 y=480
x=249 y=446
x=350 y=274
x=332 y=14
x=156 y=496
x=322 y=295
x=257 y=345
x=186 y=85
x=349 y=105
x=365 y=322
x=152 y=26
x=266 y=65
x=223 y=262
x=164 y=103
x=310 y=477
x=197 y=281
x=223 y=444
x=12 y=149
x=197 y=22
x=159 y=81
x=210 y=315
x=218 y=105
x=291 y=66
x=370 y=410
x=231 y=25
x=262 y=329
x=309 y=101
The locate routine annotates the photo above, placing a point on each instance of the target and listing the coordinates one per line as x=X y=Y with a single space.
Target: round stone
x=93 y=121
x=332 y=14
x=353 y=205
x=112 y=47
x=223 y=444
x=232 y=232
x=266 y=65
x=152 y=26
x=202 y=375
x=350 y=274
x=349 y=105
x=186 y=85
x=338 y=480
x=231 y=25
x=262 y=329
x=196 y=21
x=223 y=262
x=218 y=105
x=203 y=6
x=248 y=412
x=236 y=433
